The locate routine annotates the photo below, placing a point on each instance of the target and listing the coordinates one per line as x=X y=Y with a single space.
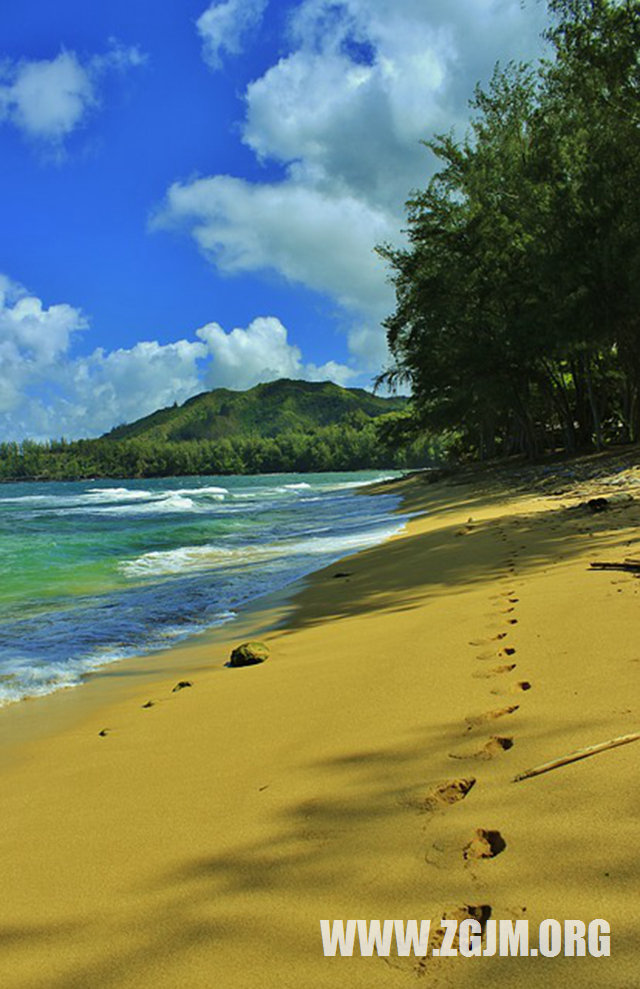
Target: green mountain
x=267 y=410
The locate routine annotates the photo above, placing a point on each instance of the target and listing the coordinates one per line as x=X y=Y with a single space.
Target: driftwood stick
x=631 y=566
x=574 y=756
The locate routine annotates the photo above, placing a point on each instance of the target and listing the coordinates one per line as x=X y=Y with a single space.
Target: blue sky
x=190 y=193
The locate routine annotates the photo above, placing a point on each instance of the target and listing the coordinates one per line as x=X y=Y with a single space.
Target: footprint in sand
x=474 y=721
x=494 y=671
x=491 y=748
x=484 y=845
x=447 y=794
x=486 y=642
x=500 y=654
x=516 y=689
x=480 y=912
x=181 y=686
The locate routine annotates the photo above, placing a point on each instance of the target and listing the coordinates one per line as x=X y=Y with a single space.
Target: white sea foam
x=123 y=501
x=28 y=498
x=93 y=496
x=158 y=504
x=192 y=559
x=36 y=681
x=211 y=490
x=303 y=486
x=346 y=485
x=126 y=500
x=119 y=493
x=110 y=495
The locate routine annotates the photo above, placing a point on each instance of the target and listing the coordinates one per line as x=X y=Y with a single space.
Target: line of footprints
x=498 y=666
x=181 y=685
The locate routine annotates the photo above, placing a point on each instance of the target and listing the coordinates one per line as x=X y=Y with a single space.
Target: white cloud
x=243 y=358
x=309 y=235
x=368 y=80
x=47 y=392
x=108 y=388
x=344 y=113
x=49 y=98
x=225 y=24
x=118 y=57
x=338 y=123
x=32 y=339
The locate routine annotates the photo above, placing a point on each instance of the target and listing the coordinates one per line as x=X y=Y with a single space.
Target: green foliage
x=354 y=439
x=517 y=311
x=324 y=449
x=282 y=406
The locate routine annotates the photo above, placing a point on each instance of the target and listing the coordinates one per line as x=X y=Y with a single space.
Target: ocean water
x=94 y=571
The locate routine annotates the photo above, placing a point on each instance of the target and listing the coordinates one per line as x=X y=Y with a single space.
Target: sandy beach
x=198 y=842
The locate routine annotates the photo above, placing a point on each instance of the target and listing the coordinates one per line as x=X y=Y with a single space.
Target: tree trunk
x=595 y=415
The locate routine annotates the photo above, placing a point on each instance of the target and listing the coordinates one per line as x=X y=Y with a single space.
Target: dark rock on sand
x=249 y=654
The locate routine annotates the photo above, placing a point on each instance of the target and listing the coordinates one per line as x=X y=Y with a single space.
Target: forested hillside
x=270 y=409
x=280 y=426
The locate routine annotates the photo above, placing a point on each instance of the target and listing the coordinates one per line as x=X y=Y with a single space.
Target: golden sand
x=363 y=771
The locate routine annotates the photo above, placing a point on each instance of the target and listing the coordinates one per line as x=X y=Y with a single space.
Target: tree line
x=370 y=444
x=517 y=312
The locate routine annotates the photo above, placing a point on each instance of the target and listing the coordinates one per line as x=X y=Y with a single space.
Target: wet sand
x=364 y=771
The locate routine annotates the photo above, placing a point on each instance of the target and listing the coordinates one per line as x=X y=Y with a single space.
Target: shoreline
x=35 y=717
x=200 y=841
x=89 y=659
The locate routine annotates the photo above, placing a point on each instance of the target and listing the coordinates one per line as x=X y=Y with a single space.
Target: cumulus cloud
x=107 y=388
x=364 y=81
x=32 y=339
x=47 y=391
x=308 y=235
x=49 y=98
x=224 y=27
x=262 y=352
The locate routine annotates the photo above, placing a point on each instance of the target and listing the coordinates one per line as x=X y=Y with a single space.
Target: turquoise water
x=94 y=571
